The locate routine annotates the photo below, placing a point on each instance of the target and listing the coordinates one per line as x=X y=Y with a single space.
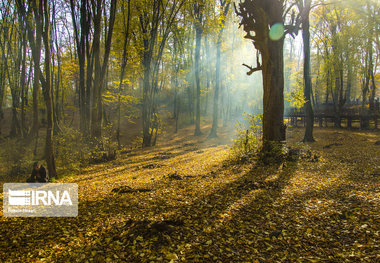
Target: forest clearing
x=200 y=207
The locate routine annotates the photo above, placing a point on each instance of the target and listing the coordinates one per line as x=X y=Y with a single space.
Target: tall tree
x=156 y=20
x=81 y=32
x=304 y=7
x=43 y=11
x=12 y=66
x=263 y=21
x=48 y=90
x=36 y=42
x=224 y=5
x=198 y=18
x=126 y=24
x=100 y=67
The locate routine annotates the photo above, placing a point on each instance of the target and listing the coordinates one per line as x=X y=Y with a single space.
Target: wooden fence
x=349 y=118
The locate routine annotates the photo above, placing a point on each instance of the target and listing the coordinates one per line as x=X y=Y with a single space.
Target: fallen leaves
x=200 y=208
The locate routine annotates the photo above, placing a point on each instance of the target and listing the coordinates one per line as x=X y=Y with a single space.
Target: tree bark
x=273 y=78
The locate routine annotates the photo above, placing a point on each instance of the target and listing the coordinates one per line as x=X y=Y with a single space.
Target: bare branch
x=253 y=70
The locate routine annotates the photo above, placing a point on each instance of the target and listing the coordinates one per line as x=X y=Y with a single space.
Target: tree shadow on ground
x=194 y=224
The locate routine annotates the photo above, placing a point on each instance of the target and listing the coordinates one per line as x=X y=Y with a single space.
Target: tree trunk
x=349 y=82
x=198 y=37
x=207 y=53
x=152 y=27
x=146 y=104
x=215 y=112
x=2 y=88
x=213 y=133
x=48 y=98
x=100 y=68
x=309 y=114
x=273 y=102
x=15 y=125
x=89 y=89
x=122 y=70
x=97 y=85
x=35 y=44
x=373 y=90
x=24 y=86
x=81 y=52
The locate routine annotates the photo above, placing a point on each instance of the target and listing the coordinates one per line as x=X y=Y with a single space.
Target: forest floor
x=198 y=207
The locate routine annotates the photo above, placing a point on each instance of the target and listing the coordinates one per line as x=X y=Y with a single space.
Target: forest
x=193 y=130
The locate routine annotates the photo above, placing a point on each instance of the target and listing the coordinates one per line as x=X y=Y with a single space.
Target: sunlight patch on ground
x=302 y=183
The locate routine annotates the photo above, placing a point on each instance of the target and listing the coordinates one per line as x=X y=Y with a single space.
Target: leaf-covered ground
x=193 y=206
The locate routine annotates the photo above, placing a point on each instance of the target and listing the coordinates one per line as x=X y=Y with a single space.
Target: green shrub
x=248 y=137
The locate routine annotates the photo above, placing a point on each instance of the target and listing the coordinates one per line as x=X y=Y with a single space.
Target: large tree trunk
x=273 y=102
x=258 y=17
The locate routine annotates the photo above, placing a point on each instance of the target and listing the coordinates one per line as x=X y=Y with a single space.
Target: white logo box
x=40 y=200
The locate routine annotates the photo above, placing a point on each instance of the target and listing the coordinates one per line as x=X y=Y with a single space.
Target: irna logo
x=40 y=200
x=18 y=197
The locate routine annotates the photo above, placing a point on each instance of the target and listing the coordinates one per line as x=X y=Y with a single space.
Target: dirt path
x=197 y=208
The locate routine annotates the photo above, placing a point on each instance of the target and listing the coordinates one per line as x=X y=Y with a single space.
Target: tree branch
x=253 y=70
